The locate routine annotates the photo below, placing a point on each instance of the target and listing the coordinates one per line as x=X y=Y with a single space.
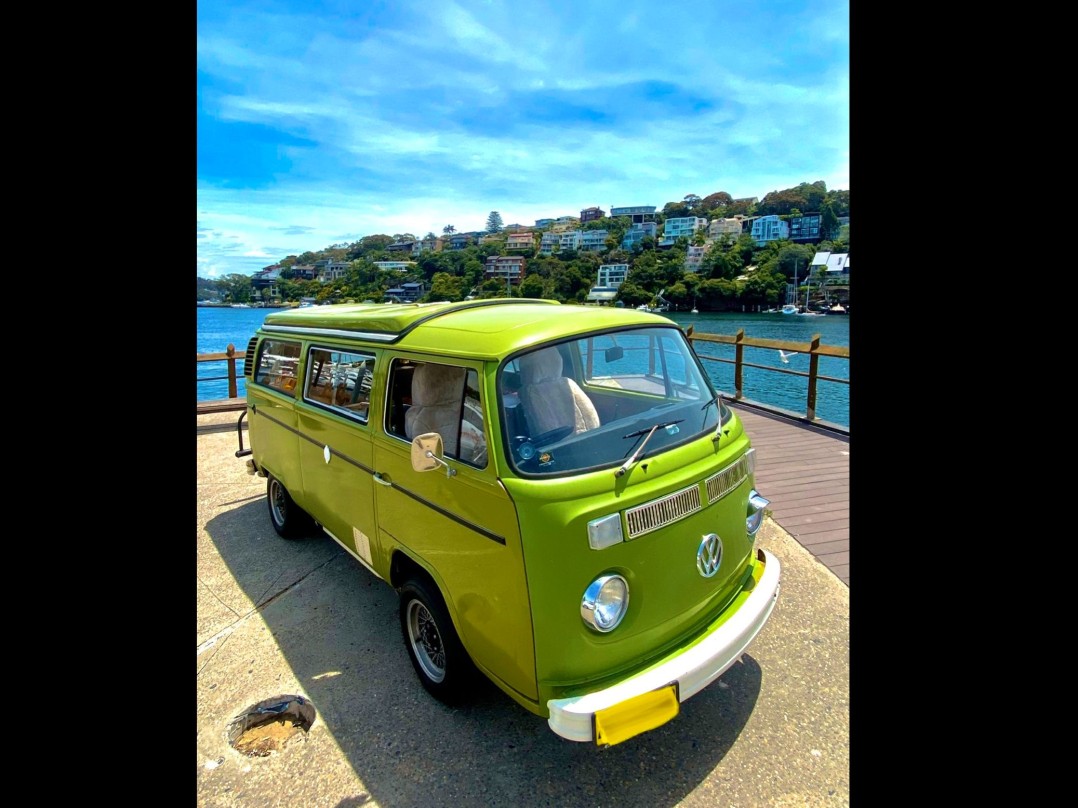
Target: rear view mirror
x=427 y=453
x=614 y=354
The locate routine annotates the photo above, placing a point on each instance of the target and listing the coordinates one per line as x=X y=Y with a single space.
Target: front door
x=462 y=527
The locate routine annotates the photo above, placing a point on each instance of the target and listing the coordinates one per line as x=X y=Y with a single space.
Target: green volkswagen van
x=558 y=493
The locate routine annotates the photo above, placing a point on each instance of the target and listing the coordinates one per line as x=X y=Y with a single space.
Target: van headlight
x=605 y=602
x=756 y=512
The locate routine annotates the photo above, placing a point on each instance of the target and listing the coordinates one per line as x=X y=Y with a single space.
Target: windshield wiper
x=625 y=466
x=718 y=427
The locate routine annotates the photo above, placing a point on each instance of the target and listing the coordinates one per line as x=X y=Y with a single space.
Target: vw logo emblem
x=709 y=555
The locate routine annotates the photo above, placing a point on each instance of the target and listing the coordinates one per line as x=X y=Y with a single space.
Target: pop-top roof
x=480 y=328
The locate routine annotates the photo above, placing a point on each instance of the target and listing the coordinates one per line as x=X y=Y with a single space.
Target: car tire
x=289 y=520
x=437 y=654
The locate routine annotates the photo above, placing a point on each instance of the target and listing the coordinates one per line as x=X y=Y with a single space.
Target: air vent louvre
x=723 y=482
x=249 y=358
x=662 y=512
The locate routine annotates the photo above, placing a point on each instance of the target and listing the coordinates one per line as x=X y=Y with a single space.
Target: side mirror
x=427 y=453
x=614 y=354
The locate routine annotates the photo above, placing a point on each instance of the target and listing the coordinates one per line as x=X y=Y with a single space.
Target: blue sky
x=320 y=123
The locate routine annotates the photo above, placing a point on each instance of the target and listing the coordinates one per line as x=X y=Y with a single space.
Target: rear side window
x=278 y=365
x=429 y=397
x=340 y=381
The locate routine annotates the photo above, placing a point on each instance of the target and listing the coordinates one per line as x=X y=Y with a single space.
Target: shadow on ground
x=335 y=625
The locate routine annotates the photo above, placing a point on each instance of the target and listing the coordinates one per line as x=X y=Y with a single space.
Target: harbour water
x=781 y=390
x=217 y=327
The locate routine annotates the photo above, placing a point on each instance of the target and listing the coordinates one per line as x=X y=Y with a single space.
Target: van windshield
x=604 y=400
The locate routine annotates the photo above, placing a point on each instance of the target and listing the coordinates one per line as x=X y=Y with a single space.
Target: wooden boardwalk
x=805 y=472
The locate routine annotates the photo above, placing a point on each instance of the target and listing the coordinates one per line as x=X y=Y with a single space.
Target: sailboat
x=694 y=309
x=807 y=312
x=791 y=308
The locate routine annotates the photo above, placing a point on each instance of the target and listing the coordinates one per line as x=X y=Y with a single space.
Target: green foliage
x=494 y=222
x=235 y=288
x=632 y=295
x=714 y=202
x=743 y=208
x=679 y=295
x=446 y=287
x=828 y=221
x=840 y=202
x=492 y=287
x=675 y=210
x=532 y=286
x=763 y=288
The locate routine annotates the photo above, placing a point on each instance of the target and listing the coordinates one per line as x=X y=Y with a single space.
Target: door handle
x=378 y=479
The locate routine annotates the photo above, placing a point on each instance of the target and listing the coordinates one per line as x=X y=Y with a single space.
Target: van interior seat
x=437 y=398
x=553 y=401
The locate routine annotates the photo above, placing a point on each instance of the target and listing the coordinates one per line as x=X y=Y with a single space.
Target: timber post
x=233 y=391
x=739 y=357
x=814 y=367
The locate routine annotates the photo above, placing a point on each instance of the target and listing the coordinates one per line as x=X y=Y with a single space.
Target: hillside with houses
x=714 y=253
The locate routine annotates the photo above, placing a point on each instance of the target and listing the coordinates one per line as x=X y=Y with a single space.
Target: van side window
x=278 y=365
x=429 y=397
x=340 y=381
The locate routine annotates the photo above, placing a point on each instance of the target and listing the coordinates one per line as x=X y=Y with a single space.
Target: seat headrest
x=437 y=385
x=540 y=366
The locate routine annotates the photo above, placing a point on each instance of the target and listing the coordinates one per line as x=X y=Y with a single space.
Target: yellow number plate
x=633 y=716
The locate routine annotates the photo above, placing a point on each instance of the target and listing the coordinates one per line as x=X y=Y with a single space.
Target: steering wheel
x=552 y=435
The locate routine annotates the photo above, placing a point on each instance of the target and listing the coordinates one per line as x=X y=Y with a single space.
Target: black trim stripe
x=482 y=531
x=470 y=525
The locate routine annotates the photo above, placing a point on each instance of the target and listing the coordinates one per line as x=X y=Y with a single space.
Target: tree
x=532 y=286
x=236 y=288
x=367 y=245
x=720 y=263
x=632 y=295
x=445 y=287
x=828 y=221
x=763 y=288
x=449 y=229
x=675 y=210
x=494 y=222
x=717 y=200
x=840 y=202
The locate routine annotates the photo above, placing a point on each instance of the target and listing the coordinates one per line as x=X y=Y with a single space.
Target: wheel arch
x=403 y=567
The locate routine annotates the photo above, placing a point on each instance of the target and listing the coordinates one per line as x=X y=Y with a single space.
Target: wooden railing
x=234 y=403
x=813 y=349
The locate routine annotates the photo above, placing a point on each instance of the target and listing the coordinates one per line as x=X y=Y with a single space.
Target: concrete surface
x=277 y=617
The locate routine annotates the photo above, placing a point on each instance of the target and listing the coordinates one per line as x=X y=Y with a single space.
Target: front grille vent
x=723 y=482
x=662 y=512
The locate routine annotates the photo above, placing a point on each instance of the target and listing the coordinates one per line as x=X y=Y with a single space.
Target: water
x=218 y=327
x=780 y=390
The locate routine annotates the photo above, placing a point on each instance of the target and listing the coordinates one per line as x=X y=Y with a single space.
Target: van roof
x=478 y=328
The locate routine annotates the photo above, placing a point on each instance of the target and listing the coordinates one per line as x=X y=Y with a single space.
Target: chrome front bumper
x=693 y=669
